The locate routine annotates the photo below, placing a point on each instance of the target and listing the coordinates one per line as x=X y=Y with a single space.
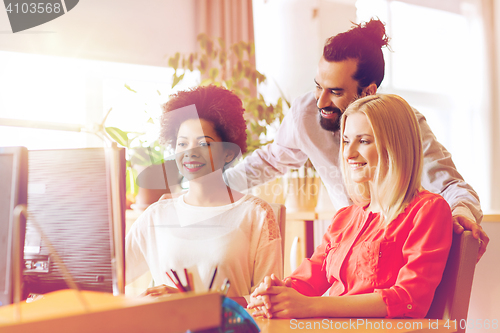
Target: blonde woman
x=383 y=256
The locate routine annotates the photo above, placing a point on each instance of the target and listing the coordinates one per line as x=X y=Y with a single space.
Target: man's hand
x=461 y=223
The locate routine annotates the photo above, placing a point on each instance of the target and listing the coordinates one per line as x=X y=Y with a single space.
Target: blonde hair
x=398 y=140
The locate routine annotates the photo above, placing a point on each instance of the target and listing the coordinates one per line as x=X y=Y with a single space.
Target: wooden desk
x=354 y=325
x=87 y=311
x=492 y=216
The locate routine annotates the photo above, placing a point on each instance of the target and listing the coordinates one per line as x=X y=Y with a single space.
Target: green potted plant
x=139 y=156
x=146 y=164
x=231 y=67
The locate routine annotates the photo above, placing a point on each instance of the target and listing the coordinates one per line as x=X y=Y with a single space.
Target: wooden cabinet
x=299 y=239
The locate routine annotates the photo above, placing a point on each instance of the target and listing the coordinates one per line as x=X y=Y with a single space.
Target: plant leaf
x=128 y=87
x=191 y=61
x=203 y=64
x=118 y=135
x=174 y=61
x=202 y=38
x=131 y=181
x=222 y=57
x=177 y=79
x=210 y=49
x=237 y=51
x=214 y=72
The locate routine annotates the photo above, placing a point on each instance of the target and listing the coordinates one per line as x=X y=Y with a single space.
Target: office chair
x=451 y=299
x=280 y=213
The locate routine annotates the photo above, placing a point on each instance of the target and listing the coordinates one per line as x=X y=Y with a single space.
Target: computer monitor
x=13 y=192
x=77 y=198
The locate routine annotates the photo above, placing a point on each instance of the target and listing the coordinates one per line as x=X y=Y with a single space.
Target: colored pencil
x=189 y=287
x=175 y=283
x=191 y=280
x=180 y=283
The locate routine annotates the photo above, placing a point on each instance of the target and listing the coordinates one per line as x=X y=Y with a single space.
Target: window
x=438 y=65
x=38 y=88
x=56 y=92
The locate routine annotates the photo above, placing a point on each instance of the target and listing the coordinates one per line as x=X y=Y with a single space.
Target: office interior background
x=444 y=60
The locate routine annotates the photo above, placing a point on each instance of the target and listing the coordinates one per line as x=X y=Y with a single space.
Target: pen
x=225 y=287
x=213 y=278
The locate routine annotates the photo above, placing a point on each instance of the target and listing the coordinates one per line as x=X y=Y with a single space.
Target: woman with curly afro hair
x=210 y=225
x=215 y=104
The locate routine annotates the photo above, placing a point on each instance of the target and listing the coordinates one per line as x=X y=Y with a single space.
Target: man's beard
x=331 y=125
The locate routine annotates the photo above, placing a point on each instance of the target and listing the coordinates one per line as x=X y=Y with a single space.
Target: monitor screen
x=76 y=197
x=13 y=190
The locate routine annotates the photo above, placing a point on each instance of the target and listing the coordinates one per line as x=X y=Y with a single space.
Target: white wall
x=138 y=32
x=485 y=297
x=289 y=39
x=495 y=123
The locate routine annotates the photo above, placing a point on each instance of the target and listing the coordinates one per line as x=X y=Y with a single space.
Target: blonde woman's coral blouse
x=402 y=262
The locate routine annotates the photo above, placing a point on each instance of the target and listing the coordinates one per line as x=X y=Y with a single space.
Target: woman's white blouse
x=242 y=239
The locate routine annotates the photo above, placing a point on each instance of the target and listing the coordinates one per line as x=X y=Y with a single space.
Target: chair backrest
x=451 y=299
x=280 y=213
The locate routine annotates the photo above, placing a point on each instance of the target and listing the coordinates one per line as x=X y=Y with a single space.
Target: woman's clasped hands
x=275 y=298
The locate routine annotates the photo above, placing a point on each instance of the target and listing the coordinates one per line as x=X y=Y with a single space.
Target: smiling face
x=335 y=90
x=359 y=148
x=199 y=150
